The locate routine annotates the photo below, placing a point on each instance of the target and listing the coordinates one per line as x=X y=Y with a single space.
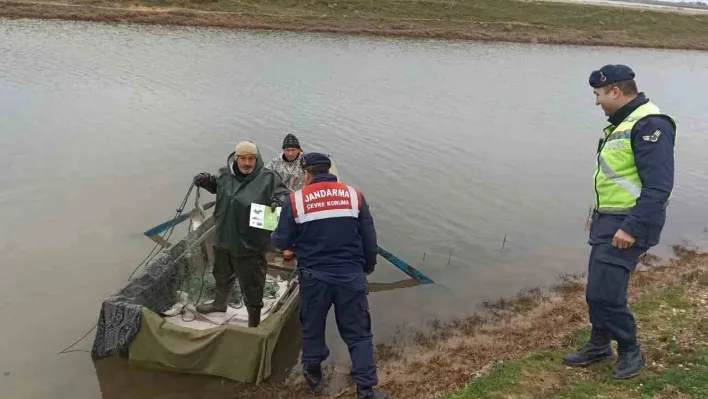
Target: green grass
x=661 y=313
x=510 y=20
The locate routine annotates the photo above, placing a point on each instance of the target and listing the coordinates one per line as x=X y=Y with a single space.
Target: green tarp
x=234 y=352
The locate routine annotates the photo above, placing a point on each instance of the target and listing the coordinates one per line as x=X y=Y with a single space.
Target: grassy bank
x=673 y=322
x=503 y=20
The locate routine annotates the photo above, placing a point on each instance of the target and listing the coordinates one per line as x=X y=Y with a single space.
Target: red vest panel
x=325 y=200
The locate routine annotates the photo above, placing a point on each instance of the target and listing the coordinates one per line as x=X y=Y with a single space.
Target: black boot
x=221 y=296
x=630 y=363
x=254 y=317
x=368 y=393
x=313 y=376
x=596 y=350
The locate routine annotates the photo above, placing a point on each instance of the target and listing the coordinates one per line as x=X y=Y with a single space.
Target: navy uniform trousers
x=609 y=270
x=351 y=309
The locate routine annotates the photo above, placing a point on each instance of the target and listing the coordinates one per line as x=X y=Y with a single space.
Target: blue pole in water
x=405 y=267
x=166 y=225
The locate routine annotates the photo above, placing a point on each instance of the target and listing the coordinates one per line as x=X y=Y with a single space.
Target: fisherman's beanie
x=246 y=148
x=291 y=142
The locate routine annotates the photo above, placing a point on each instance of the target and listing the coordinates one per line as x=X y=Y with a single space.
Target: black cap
x=291 y=142
x=315 y=158
x=610 y=74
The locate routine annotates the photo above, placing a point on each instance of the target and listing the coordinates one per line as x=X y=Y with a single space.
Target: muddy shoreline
x=450 y=29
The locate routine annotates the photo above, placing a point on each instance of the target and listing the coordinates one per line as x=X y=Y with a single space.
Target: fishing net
x=154 y=319
x=199 y=284
x=171 y=286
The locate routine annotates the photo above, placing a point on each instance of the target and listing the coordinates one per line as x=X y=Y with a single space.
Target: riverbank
x=499 y=20
x=513 y=348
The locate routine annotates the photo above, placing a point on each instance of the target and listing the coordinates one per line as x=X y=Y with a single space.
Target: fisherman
x=287 y=165
x=239 y=250
x=634 y=179
x=330 y=225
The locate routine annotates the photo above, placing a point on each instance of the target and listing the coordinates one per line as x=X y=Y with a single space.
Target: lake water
x=454 y=144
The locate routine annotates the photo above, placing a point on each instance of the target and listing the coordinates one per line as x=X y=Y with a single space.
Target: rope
x=166 y=236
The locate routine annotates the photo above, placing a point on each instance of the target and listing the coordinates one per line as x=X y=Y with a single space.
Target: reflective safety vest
x=617 y=182
x=325 y=200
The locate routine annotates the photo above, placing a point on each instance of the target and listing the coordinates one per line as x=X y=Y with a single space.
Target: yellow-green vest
x=617 y=182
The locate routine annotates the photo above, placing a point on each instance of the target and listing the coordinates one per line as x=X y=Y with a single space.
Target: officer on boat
x=330 y=226
x=634 y=178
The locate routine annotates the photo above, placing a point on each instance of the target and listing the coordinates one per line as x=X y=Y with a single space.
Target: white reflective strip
x=621 y=181
x=327 y=214
x=354 y=200
x=299 y=205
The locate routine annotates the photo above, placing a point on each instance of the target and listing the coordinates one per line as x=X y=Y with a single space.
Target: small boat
x=153 y=321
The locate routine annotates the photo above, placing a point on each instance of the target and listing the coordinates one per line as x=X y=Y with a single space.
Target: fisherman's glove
x=202 y=179
x=274 y=205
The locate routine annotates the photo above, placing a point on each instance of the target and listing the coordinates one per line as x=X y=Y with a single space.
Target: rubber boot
x=629 y=364
x=313 y=376
x=254 y=317
x=221 y=296
x=368 y=393
x=596 y=350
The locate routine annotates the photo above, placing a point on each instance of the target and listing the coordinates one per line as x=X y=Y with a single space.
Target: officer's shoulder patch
x=652 y=138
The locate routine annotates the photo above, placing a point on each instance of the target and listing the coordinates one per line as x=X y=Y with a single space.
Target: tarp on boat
x=144 y=317
x=226 y=351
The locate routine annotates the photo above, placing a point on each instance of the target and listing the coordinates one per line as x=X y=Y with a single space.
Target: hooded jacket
x=235 y=192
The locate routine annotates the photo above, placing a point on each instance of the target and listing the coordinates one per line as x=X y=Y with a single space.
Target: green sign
x=262 y=217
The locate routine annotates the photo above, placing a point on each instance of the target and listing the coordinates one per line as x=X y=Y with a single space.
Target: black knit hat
x=291 y=142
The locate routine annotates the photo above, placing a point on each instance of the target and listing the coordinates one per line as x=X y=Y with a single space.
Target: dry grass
x=503 y=20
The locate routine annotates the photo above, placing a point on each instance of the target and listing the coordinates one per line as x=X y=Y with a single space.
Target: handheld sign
x=262 y=217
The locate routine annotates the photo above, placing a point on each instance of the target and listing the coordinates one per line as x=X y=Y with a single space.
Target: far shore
x=551 y=22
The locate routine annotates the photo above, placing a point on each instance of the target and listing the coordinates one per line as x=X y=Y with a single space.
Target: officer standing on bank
x=330 y=226
x=634 y=178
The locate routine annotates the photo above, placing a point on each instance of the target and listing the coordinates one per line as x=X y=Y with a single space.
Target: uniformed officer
x=331 y=228
x=634 y=178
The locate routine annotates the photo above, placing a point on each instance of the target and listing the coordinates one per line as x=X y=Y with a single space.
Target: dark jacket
x=337 y=250
x=655 y=165
x=235 y=192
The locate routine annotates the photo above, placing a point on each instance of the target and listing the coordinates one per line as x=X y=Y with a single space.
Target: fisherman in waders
x=330 y=226
x=287 y=166
x=239 y=251
x=634 y=178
